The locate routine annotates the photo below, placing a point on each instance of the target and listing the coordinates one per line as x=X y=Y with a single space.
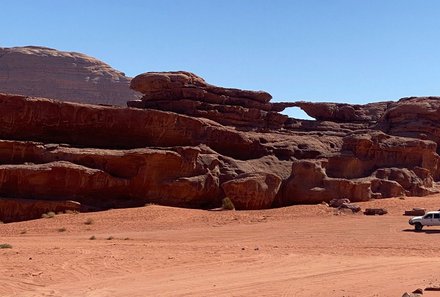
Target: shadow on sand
x=427 y=231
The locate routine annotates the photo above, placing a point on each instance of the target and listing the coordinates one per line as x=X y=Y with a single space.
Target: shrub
x=68 y=211
x=227 y=204
x=62 y=229
x=5 y=246
x=48 y=215
x=93 y=237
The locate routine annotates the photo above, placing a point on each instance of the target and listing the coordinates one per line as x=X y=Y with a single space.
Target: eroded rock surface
x=252 y=190
x=68 y=76
x=191 y=144
x=186 y=93
x=27 y=209
x=416 y=117
x=343 y=113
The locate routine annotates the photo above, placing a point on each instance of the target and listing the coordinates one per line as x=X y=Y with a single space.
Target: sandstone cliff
x=68 y=76
x=190 y=144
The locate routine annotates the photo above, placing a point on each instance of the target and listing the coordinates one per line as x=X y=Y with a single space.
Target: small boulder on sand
x=375 y=211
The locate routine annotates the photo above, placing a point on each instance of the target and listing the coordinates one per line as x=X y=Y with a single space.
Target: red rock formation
x=197 y=143
x=186 y=93
x=252 y=191
x=393 y=182
x=27 y=209
x=361 y=154
x=68 y=76
x=182 y=84
x=53 y=121
x=416 y=117
x=310 y=184
x=341 y=112
x=56 y=180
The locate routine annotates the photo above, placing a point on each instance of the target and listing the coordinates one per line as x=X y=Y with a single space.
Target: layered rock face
x=416 y=117
x=343 y=113
x=68 y=76
x=186 y=93
x=355 y=159
x=106 y=157
x=171 y=151
x=373 y=165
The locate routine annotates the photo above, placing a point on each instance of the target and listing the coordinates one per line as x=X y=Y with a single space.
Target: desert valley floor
x=163 y=251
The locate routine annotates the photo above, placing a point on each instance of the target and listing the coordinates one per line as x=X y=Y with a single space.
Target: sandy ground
x=162 y=251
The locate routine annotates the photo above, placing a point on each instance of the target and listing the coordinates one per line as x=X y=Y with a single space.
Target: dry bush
x=227 y=204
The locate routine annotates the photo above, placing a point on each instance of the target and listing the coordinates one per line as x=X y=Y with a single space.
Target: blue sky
x=354 y=51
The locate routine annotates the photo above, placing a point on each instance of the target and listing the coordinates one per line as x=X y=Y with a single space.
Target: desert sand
x=163 y=251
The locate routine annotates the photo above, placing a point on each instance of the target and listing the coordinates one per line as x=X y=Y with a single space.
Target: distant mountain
x=67 y=76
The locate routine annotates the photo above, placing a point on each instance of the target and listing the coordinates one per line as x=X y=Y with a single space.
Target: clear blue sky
x=354 y=51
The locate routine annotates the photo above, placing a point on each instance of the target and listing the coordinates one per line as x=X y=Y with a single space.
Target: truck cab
x=431 y=218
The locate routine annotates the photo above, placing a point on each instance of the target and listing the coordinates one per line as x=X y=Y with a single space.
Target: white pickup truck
x=431 y=218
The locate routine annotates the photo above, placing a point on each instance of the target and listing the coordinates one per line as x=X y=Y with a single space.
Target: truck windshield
x=428 y=216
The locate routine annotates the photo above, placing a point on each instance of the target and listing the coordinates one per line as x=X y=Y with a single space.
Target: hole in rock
x=296 y=113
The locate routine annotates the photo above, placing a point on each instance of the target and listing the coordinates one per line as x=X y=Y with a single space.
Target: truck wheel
x=418 y=227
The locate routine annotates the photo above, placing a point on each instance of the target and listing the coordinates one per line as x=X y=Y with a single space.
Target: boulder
x=338 y=202
x=309 y=184
x=406 y=294
x=418 y=291
x=383 y=188
x=253 y=190
x=375 y=211
x=353 y=207
x=415 y=212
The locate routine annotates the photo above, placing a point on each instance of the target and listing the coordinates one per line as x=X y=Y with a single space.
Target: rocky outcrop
x=47 y=153
x=53 y=121
x=363 y=153
x=28 y=209
x=173 y=85
x=365 y=169
x=416 y=117
x=186 y=93
x=107 y=179
x=252 y=190
x=191 y=144
x=309 y=184
x=344 y=113
x=68 y=76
